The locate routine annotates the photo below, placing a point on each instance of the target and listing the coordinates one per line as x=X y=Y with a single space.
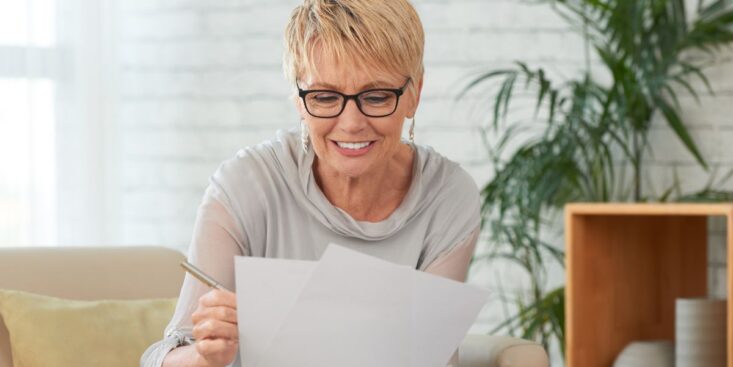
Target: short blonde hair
x=385 y=35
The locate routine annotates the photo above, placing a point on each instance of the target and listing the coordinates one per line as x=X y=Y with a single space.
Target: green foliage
x=594 y=136
x=544 y=316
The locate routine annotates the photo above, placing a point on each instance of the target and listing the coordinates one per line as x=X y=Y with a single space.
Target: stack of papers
x=349 y=309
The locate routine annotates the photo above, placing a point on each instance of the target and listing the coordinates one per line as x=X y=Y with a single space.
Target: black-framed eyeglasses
x=379 y=102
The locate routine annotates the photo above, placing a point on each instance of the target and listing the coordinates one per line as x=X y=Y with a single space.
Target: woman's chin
x=353 y=169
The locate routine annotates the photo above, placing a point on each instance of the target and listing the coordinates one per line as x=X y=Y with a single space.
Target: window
x=27 y=122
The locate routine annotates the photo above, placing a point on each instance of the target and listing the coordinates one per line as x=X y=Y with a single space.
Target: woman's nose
x=351 y=119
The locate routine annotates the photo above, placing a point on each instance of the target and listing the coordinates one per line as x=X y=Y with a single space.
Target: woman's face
x=353 y=144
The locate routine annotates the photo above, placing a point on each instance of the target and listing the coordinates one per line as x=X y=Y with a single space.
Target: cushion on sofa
x=47 y=331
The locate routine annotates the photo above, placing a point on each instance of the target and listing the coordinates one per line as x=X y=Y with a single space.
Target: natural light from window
x=27 y=124
x=27 y=23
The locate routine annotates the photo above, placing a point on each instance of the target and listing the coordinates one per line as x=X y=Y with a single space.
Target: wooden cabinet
x=626 y=265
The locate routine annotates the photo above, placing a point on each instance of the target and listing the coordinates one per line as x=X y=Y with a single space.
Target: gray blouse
x=265 y=202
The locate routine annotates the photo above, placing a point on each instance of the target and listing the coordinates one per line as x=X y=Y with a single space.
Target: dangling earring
x=412 y=131
x=304 y=138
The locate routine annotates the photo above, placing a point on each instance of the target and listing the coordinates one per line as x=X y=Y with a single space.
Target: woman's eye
x=377 y=98
x=326 y=98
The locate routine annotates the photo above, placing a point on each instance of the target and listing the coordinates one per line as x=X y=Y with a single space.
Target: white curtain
x=55 y=117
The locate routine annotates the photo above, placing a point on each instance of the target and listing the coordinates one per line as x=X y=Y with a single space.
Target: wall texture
x=197 y=80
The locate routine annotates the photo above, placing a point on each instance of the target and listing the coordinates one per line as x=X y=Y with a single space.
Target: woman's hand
x=215 y=328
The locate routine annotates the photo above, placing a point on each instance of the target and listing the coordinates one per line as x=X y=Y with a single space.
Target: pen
x=200 y=275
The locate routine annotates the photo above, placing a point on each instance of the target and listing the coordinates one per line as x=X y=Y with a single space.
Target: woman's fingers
x=218 y=297
x=217 y=352
x=216 y=305
x=208 y=347
x=215 y=329
x=221 y=313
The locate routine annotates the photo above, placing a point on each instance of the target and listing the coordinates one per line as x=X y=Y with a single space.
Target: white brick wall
x=199 y=79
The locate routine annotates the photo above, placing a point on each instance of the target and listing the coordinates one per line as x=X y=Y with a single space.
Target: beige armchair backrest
x=87 y=274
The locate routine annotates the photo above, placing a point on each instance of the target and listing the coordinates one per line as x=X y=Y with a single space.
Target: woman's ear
x=299 y=106
x=418 y=93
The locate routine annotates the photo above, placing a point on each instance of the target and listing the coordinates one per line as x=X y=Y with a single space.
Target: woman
x=347 y=177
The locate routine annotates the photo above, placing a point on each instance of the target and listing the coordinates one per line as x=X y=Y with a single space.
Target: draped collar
x=297 y=167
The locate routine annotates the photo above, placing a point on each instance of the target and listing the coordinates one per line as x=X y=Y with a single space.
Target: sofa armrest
x=500 y=351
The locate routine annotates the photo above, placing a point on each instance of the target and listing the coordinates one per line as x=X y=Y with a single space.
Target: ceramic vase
x=700 y=332
x=657 y=353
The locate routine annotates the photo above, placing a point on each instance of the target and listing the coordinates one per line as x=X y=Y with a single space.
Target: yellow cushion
x=49 y=332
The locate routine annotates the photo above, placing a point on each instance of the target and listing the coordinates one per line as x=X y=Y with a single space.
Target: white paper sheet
x=349 y=309
x=266 y=291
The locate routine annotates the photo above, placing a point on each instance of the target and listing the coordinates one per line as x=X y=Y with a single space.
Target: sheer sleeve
x=217 y=238
x=453 y=264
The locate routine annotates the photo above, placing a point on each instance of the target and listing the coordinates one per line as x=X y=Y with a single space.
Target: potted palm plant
x=593 y=139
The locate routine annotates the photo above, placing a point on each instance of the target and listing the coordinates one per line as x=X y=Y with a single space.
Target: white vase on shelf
x=653 y=353
x=700 y=332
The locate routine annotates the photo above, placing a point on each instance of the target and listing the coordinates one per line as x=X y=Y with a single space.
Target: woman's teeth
x=354 y=146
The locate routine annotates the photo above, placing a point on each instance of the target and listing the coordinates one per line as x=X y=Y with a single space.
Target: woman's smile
x=353 y=149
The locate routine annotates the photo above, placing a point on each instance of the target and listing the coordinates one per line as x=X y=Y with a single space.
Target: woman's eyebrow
x=375 y=84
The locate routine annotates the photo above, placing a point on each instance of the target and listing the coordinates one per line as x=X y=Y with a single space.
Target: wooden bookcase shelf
x=626 y=265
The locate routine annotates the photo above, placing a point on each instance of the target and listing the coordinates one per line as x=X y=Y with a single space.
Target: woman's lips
x=353 y=152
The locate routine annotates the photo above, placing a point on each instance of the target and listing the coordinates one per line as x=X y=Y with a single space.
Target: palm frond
x=594 y=139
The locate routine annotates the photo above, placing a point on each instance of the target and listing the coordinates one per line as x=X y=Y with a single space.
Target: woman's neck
x=372 y=197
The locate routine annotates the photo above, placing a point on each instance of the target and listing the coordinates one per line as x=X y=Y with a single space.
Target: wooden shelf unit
x=626 y=265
